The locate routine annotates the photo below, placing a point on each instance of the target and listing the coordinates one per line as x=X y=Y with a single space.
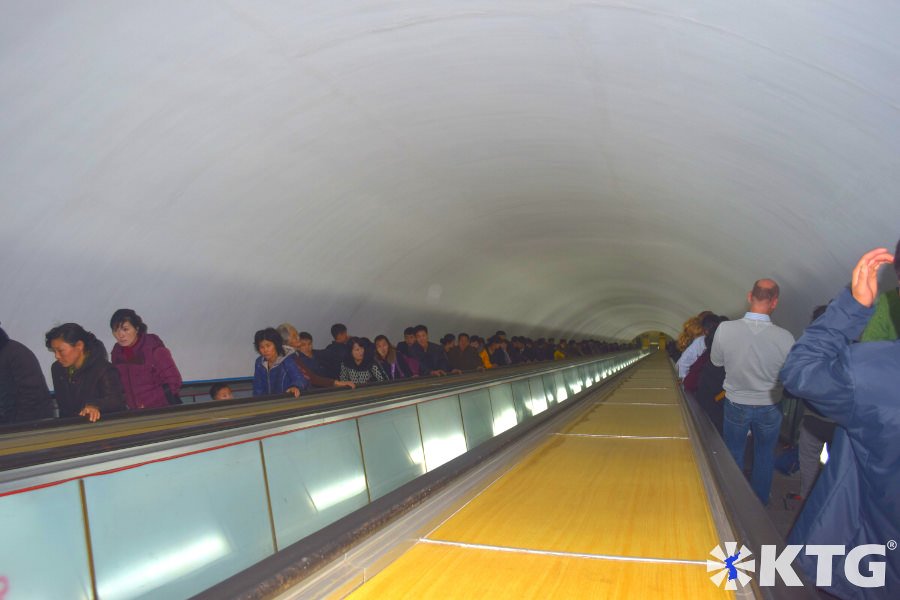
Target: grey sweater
x=752 y=350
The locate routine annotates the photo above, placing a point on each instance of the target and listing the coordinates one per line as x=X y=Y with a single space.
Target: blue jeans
x=765 y=423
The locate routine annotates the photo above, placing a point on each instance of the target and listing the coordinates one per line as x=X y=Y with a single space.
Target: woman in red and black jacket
x=149 y=376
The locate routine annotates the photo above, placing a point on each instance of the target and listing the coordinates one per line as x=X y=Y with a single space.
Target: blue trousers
x=765 y=423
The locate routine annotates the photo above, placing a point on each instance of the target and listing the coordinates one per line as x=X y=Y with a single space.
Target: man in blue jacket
x=856 y=500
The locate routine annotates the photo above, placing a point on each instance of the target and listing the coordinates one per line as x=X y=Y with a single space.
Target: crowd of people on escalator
x=845 y=371
x=140 y=372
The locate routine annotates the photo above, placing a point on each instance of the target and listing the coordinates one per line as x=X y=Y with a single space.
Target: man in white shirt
x=753 y=350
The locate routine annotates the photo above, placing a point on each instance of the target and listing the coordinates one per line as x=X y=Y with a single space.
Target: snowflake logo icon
x=731 y=565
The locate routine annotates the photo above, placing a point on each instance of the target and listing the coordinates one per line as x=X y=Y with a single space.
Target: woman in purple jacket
x=148 y=373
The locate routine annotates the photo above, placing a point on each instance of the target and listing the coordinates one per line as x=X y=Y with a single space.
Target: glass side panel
x=392 y=449
x=316 y=477
x=586 y=379
x=503 y=407
x=538 y=397
x=44 y=554
x=561 y=392
x=442 y=430
x=522 y=397
x=174 y=528
x=477 y=417
x=573 y=381
x=549 y=388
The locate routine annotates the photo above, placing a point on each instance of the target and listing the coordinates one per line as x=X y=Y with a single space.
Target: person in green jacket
x=884 y=326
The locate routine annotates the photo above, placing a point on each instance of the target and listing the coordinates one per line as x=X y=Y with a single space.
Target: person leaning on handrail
x=274 y=371
x=149 y=375
x=23 y=390
x=305 y=357
x=360 y=366
x=392 y=362
x=464 y=356
x=85 y=382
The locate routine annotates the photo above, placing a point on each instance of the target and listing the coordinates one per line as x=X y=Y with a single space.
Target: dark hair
x=709 y=321
x=368 y=354
x=449 y=337
x=409 y=331
x=269 y=334
x=421 y=328
x=70 y=333
x=463 y=335
x=765 y=292
x=500 y=332
x=897 y=260
x=337 y=329
x=124 y=315
x=216 y=388
x=305 y=335
x=711 y=332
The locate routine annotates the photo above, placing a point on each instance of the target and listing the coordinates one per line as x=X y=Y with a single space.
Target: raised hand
x=864 y=284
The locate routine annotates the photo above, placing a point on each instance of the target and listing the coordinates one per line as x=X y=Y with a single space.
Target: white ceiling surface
x=599 y=168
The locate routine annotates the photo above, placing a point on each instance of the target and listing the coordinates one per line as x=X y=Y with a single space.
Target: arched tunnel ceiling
x=590 y=168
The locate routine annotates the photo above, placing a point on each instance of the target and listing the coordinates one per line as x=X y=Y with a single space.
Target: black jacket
x=23 y=391
x=331 y=357
x=96 y=382
x=433 y=359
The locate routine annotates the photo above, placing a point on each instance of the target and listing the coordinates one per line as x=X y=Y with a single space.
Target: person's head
x=268 y=343
x=691 y=330
x=476 y=342
x=220 y=391
x=763 y=298
x=463 y=340
x=422 y=335
x=709 y=322
x=339 y=333
x=70 y=344
x=493 y=343
x=288 y=335
x=126 y=326
x=448 y=341
x=409 y=336
x=383 y=348
x=358 y=351
x=305 y=343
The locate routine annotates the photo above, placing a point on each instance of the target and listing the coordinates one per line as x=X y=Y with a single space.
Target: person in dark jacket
x=360 y=366
x=464 y=356
x=85 y=382
x=409 y=340
x=499 y=357
x=332 y=356
x=856 y=499
x=431 y=357
x=305 y=356
x=148 y=373
x=394 y=364
x=274 y=371
x=23 y=390
x=706 y=381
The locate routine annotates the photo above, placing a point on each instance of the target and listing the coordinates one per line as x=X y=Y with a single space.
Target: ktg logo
x=733 y=565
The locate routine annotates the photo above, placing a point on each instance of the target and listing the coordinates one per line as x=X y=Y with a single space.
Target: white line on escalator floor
x=562 y=554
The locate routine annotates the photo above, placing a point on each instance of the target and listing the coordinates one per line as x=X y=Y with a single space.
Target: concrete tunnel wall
x=557 y=168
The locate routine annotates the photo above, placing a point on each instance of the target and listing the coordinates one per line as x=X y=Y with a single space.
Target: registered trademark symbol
x=891 y=545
